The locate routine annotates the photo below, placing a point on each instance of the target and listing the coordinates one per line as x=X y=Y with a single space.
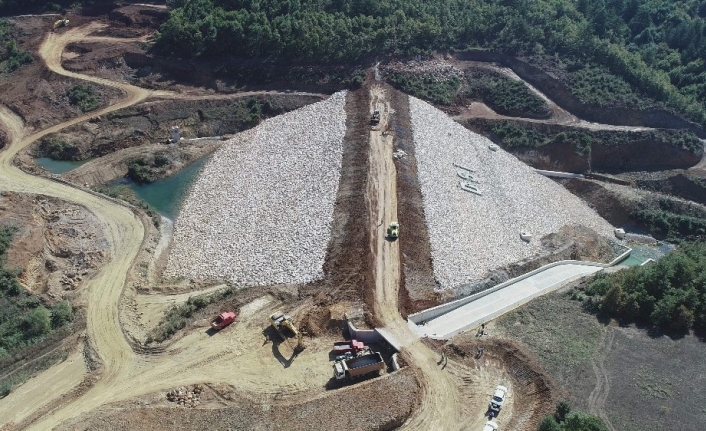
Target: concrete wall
x=557 y=174
x=437 y=311
x=377 y=335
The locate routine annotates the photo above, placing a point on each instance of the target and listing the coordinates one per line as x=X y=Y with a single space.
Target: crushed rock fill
x=261 y=210
x=473 y=234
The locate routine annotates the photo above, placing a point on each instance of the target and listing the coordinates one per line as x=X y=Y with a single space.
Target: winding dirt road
x=125 y=374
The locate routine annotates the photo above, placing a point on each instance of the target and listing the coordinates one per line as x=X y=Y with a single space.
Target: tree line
x=656 y=46
x=669 y=294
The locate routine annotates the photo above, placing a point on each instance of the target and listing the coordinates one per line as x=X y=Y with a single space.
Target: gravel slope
x=261 y=210
x=470 y=234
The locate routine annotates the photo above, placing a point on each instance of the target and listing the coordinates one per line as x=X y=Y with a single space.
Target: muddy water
x=167 y=195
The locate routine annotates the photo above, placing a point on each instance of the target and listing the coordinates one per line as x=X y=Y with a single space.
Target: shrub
x=61 y=314
x=84 y=97
x=37 y=323
x=15 y=57
x=58 y=149
x=442 y=91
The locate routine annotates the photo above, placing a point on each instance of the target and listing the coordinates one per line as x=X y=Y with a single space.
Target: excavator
x=280 y=322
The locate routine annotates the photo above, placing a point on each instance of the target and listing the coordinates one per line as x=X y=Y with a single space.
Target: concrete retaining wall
x=437 y=311
x=377 y=335
x=557 y=174
x=511 y=306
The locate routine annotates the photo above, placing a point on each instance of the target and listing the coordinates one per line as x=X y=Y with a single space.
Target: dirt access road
x=198 y=359
x=443 y=388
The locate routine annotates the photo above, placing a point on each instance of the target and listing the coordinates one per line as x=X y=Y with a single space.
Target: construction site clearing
x=299 y=249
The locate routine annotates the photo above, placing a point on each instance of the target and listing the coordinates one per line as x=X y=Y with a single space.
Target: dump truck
x=280 y=322
x=357 y=367
x=393 y=231
x=353 y=346
x=222 y=320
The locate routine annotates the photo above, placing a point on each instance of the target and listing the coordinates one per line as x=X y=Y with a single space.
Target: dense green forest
x=655 y=46
x=643 y=53
x=669 y=294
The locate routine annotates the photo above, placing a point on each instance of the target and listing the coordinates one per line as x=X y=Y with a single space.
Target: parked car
x=490 y=426
x=496 y=403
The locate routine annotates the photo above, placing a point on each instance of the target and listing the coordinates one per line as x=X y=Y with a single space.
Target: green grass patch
x=514 y=134
x=542 y=326
x=598 y=86
x=671 y=219
x=25 y=320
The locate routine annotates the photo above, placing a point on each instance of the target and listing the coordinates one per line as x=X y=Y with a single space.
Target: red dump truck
x=359 y=366
x=222 y=320
x=353 y=346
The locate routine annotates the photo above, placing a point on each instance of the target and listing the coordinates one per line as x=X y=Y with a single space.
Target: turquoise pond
x=167 y=195
x=58 y=166
x=642 y=252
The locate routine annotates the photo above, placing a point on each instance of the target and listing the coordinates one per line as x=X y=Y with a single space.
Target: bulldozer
x=61 y=23
x=281 y=322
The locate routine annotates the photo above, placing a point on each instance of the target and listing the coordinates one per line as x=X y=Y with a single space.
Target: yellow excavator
x=280 y=322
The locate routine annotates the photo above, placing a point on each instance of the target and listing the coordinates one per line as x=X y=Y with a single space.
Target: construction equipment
x=353 y=346
x=61 y=23
x=357 y=367
x=393 y=231
x=222 y=320
x=375 y=118
x=280 y=322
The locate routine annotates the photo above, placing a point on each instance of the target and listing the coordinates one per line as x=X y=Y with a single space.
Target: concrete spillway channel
x=444 y=321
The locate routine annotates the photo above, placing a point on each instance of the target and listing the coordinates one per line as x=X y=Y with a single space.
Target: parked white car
x=496 y=403
x=490 y=426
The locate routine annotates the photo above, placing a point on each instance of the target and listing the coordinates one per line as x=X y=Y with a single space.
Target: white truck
x=356 y=367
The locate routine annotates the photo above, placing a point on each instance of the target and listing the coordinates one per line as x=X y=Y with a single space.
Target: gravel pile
x=471 y=235
x=261 y=211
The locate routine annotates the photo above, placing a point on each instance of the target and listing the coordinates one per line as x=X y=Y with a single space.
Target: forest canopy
x=657 y=46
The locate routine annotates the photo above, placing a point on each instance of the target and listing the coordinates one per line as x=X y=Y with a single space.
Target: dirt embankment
x=604 y=151
x=560 y=93
x=382 y=404
x=58 y=245
x=690 y=184
x=347 y=268
x=417 y=278
x=533 y=392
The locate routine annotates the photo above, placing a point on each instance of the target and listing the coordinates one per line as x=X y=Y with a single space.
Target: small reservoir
x=167 y=195
x=58 y=166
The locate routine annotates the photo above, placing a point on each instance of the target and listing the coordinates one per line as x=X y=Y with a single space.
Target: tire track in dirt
x=599 y=394
x=439 y=409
